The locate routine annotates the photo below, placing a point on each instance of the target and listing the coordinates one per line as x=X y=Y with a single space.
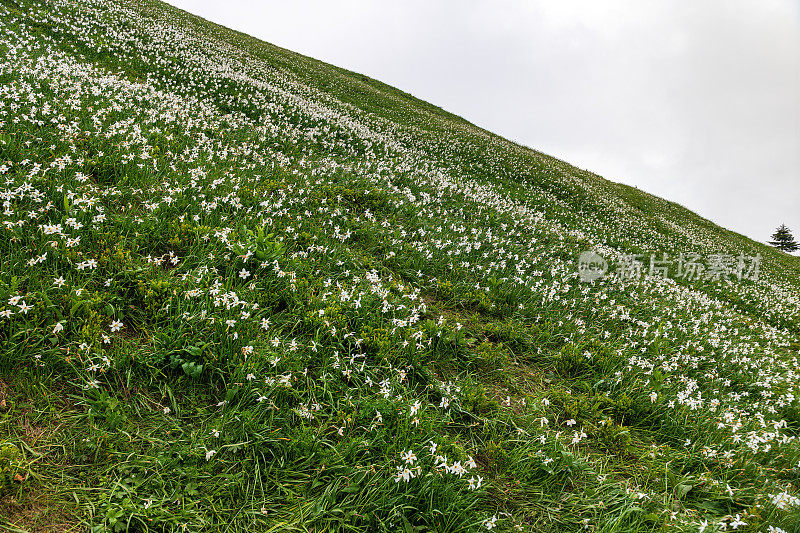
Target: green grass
x=243 y=290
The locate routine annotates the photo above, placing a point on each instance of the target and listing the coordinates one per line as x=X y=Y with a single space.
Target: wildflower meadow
x=244 y=290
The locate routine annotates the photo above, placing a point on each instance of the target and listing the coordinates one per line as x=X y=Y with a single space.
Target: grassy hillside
x=243 y=290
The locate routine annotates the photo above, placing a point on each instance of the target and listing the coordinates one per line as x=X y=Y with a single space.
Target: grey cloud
x=693 y=101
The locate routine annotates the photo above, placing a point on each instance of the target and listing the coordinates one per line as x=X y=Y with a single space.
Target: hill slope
x=243 y=290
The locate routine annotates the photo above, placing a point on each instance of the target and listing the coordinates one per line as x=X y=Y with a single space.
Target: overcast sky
x=697 y=101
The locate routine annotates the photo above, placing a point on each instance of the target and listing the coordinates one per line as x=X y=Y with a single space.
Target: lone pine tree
x=783 y=240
